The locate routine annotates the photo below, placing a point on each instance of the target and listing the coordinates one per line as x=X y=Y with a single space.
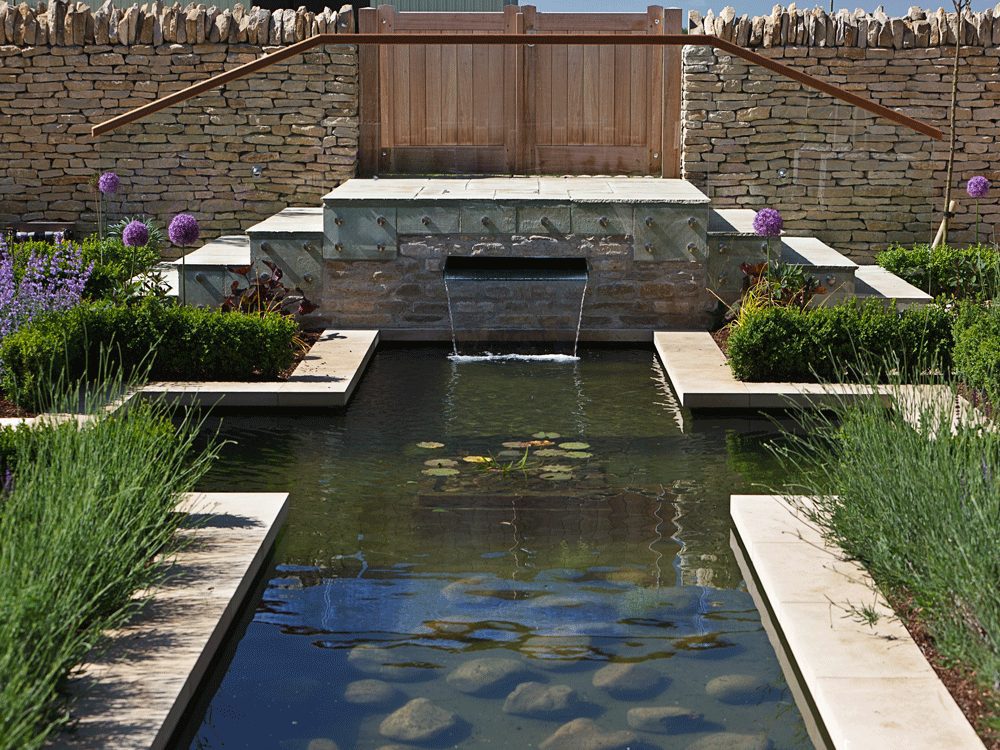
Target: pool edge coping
x=782 y=556
x=132 y=695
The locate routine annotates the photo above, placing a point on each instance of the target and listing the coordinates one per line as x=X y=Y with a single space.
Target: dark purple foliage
x=135 y=234
x=768 y=222
x=183 y=230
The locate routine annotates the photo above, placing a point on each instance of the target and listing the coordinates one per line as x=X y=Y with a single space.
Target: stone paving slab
x=865 y=686
x=875 y=281
x=133 y=693
x=567 y=189
x=294 y=220
x=230 y=250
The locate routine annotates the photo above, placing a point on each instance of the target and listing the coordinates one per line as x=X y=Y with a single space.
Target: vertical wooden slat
x=591 y=95
x=606 y=94
x=387 y=90
x=543 y=116
x=623 y=95
x=654 y=143
x=497 y=126
x=466 y=87
x=529 y=157
x=481 y=94
x=574 y=94
x=671 y=163
x=513 y=71
x=638 y=111
x=559 y=94
x=433 y=95
x=370 y=99
x=449 y=94
x=417 y=85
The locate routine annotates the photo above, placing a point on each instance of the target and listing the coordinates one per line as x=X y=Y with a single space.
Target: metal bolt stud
x=265 y=247
x=380 y=221
x=381 y=248
x=603 y=221
x=339 y=247
x=544 y=221
x=649 y=247
x=692 y=222
x=692 y=247
x=649 y=221
x=338 y=221
x=199 y=277
x=485 y=221
x=425 y=220
x=308 y=278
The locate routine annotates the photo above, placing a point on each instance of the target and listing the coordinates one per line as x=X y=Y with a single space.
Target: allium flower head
x=108 y=183
x=977 y=187
x=768 y=222
x=183 y=230
x=135 y=234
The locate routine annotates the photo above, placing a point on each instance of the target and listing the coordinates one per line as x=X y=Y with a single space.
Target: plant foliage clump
x=962 y=273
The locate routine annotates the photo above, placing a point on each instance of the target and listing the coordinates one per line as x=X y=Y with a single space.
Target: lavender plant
x=48 y=282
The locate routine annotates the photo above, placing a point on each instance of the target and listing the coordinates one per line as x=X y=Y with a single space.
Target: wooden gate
x=492 y=109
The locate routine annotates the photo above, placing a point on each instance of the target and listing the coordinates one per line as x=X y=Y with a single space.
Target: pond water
x=596 y=569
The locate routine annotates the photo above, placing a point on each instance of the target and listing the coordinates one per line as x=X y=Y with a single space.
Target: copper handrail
x=668 y=40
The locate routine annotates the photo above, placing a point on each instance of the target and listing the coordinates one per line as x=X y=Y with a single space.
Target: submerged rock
x=372 y=693
x=489 y=675
x=382 y=662
x=322 y=743
x=664 y=719
x=626 y=680
x=738 y=689
x=585 y=734
x=731 y=741
x=538 y=701
x=418 y=721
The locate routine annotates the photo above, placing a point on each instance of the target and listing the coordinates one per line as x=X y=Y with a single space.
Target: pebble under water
x=500 y=554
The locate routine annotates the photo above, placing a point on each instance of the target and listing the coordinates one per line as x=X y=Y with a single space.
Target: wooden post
x=670 y=162
x=386 y=24
x=369 y=136
x=513 y=79
x=529 y=86
x=655 y=23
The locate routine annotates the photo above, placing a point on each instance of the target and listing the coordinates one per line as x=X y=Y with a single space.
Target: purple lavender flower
x=108 y=183
x=977 y=187
x=135 y=234
x=183 y=230
x=768 y=222
x=49 y=283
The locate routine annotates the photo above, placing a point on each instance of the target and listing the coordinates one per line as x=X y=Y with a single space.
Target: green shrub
x=977 y=349
x=969 y=272
x=114 y=264
x=848 y=341
x=172 y=341
x=90 y=509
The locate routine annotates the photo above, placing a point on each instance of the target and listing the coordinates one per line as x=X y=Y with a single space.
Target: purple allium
x=135 y=234
x=183 y=230
x=977 y=187
x=108 y=183
x=768 y=222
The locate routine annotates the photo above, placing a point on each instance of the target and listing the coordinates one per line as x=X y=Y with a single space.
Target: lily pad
x=557 y=468
x=539 y=443
x=546 y=435
x=574 y=446
x=516 y=444
x=441 y=463
x=440 y=472
x=549 y=453
x=429 y=444
x=556 y=476
x=578 y=454
x=476 y=460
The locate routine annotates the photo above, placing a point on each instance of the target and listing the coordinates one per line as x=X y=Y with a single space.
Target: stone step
x=876 y=282
x=293 y=240
x=206 y=273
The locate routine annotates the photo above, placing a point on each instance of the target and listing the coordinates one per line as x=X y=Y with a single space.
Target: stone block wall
x=67 y=68
x=752 y=138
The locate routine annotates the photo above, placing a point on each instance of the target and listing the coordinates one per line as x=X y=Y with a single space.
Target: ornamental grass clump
x=87 y=523
x=914 y=495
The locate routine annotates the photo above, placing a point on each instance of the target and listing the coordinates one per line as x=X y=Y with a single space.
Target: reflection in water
x=518 y=576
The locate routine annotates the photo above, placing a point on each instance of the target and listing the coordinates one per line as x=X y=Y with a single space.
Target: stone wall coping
x=133 y=691
x=153 y=23
x=576 y=189
x=815 y=27
x=866 y=686
x=295 y=220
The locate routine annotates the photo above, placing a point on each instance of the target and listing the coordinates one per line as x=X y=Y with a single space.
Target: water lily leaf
x=550 y=452
x=557 y=468
x=441 y=463
x=578 y=454
x=430 y=444
x=574 y=446
x=546 y=435
x=476 y=460
x=440 y=472
x=538 y=443
x=516 y=444
x=557 y=476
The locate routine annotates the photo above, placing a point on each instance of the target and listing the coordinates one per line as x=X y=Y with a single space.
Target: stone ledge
x=134 y=691
x=863 y=686
x=875 y=281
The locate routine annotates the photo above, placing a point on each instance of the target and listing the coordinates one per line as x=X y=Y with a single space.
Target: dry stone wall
x=752 y=138
x=65 y=67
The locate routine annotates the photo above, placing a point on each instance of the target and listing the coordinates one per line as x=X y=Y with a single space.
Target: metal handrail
x=666 y=40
